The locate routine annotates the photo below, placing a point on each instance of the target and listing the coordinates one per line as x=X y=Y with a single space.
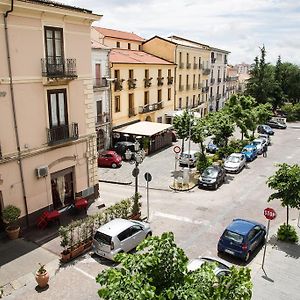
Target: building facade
x=47 y=128
x=232 y=81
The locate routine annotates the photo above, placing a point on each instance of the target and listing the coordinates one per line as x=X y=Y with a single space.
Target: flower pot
x=65 y=255
x=42 y=279
x=135 y=216
x=88 y=244
x=77 y=251
x=12 y=232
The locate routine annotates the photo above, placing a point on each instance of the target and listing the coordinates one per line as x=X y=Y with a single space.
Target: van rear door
x=102 y=242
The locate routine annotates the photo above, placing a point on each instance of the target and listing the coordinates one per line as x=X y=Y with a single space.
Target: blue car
x=241 y=238
x=265 y=129
x=250 y=151
x=212 y=147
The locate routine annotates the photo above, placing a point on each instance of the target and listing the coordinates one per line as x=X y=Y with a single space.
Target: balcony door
x=54 y=50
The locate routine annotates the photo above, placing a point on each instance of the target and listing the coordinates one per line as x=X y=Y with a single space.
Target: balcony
x=195 y=86
x=150 y=107
x=119 y=84
x=131 y=112
x=62 y=134
x=100 y=83
x=212 y=81
x=199 y=86
x=57 y=67
x=181 y=88
x=188 y=65
x=131 y=83
x=147 y=82
x=181 y=65
x=219 y=80
x=206 y=71
x=160 y=81
x=218 y=96
x=188 y=87
x=201 y=66
x=211 y=98
x=195 y=66
x=102 y=118
x=213 y=60
x=205 y=89
x=170 y=80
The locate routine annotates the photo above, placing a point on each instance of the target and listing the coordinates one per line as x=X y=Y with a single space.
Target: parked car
x=266 y=137
x=212 y=177
x=109 y=159
x=265 y=129
x=235 y=162
x=259 y=144
x=174 y=136
x=276 y=124
x=119 y=235
x=121 y=147
x=241 y=238
x=221 y=267
x=188 y=158
x=212 y=147
x=250 y=152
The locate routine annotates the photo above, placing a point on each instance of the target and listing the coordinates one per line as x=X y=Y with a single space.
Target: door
x=2 y=225
x=138 y=234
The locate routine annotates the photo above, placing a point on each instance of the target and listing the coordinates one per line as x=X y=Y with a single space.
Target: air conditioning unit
x=41 y=171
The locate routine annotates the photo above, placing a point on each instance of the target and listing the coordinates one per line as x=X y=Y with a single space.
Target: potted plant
x=65 y=240
x=10 y=216
x=42 y=276
x=136 y=212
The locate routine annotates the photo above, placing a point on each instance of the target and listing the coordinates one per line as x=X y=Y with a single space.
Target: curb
x=185 y=190
x=116 y=182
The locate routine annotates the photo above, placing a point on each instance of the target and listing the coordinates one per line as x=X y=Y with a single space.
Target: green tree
x=159 y=271
x=199 y=132
x=290 y=75
x=287 y=183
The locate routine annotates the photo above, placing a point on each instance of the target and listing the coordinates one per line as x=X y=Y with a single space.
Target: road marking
x=84 y=273
x=179 y=218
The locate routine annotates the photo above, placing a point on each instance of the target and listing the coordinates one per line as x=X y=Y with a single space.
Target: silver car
x=265 y=137
x=222 y=267
x=259 y=144
x=235 y=162
x=119 y=235
x=188 y=158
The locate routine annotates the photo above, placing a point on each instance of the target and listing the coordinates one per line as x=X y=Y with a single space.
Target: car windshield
x=210 y=173
x=256 y=143
x=233 y=159
x=102 y=238
x=233 y=236
x=247 y=149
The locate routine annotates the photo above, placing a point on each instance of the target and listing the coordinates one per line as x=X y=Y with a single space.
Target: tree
x=199 y=132
x=291 y=82
x=159 y=271
x=287 y=183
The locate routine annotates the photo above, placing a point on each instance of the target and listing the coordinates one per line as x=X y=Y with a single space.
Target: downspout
x=175 y=76
x=14 y=110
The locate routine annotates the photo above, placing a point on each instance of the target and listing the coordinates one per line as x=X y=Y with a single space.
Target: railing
x=188 y=87
x=195 y=66
x=131 y=83
x=160 y=81
x=232 y=78
x=219 y=80
x=181 y=65
x=201 y=66
x=102 y=118
x=212 y=81
x=61 y=134
x=205 y=89
x=100 y=82
x=213 y=60
x=150 y=107
x=181 y=88
x=199 y=86
x=206 y=71
x=57 y=67
x=195 y=85
x=170 y=80
x=218 y=96
x=211 y=98
x=119 y=84
x=188 y=65
x=147 y=82
x=131 y=112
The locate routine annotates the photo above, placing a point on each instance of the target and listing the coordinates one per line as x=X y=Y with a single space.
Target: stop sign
x=270 y=213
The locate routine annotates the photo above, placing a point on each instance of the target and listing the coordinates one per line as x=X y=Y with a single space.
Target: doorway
x=2 y=225
x=62 y=187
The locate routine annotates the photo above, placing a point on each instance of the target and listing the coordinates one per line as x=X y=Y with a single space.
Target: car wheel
x=149 y=234
x=216 y=185
x=113 y=165
x=247 y=257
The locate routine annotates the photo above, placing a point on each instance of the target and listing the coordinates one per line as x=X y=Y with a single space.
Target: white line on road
x=179 y=218
x=84 y=273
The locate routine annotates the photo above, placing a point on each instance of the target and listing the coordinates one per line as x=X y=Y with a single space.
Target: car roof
x=249 y=146
x=199 y=261
x=236 y=154
x=257 y=140
x=242 y=226
x=109 y=152
x=216 y=167
x=115 y=226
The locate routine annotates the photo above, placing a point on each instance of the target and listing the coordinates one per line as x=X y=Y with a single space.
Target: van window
x=102 y=238
x=135 y=229
x=124 y=234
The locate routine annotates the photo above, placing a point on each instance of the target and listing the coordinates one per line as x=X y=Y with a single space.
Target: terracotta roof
x=119 y=34
x=97 y=45
x=135 y=57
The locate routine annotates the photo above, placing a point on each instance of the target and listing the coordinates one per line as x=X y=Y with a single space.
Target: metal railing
x=131 y=111
x=188 y=65
x=170 y=80
x=100 y=82
x=160 y=81
x=181 y=88
x=205 y=89
x=212 y=81
x=150 y=107
x=147 y=82
x=58 y=67
x=118 y=84
x=195 y=66
x=63 y=133
x=131 y=83
x=181 y=65
x=206 y=71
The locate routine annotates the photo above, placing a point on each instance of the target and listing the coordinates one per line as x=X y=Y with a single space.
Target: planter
x=42 y=279
x=12 y=232
x=77 y=251
x=65 y=255
x=135 y=216
x=88 y=244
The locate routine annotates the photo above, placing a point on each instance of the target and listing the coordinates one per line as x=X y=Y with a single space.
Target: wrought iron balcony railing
x=131 y=83
x=147 y=82
x=100 y=82
x=219 y=80
x=131 y=111
x=102 y=118
x=195 y=66
x=181 y=65
x=199 y=86
x=119 y=84
x=213 y=60
x=206 y=71
x=170 y=80
x=205 y=89
x=188 y=65
x=57 y=67
x=63 y=133
x=212 y=81
x=181 y=88
x=218 y=96
x=188 y=87
x=160 y=81
x=150 y=107
x=195 y=85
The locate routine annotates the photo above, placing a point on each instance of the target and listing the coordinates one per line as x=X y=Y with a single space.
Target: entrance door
x=2 y=225
x=62 y=188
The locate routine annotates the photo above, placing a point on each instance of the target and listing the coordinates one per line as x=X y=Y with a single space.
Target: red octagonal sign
x=270 y=213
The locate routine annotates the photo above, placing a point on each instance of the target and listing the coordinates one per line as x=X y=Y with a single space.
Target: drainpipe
x=14 y=110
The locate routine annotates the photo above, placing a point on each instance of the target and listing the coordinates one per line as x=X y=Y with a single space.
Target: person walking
x=265 y=150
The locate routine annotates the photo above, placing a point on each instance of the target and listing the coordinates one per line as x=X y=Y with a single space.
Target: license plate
x=229 y=251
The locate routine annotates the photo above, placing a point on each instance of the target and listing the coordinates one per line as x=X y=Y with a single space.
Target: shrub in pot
x=10 y=216
x=42 y=276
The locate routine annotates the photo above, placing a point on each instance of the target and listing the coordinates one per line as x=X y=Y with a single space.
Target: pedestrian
x=265 y=150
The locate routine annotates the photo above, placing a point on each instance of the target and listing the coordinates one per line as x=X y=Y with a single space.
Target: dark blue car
x=265 y=129
x=250 y=151
x=241 y=238
x=212 y=147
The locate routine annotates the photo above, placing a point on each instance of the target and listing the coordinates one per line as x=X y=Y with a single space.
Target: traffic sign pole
x=148 y=178
x=262 y=265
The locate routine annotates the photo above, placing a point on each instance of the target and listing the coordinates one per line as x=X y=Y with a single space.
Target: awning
x=143 y=128
x=172 y=114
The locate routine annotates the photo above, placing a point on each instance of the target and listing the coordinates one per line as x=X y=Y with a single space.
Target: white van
x=188 y=158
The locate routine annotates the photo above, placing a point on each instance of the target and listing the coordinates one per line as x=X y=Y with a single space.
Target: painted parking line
x=179 y=218
x=84 y=273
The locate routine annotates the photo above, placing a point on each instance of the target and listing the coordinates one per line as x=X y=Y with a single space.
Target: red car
x=109 y=159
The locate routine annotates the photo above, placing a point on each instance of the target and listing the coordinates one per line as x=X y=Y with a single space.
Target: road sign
x=176 y=149
x=135 y=172
x=270 y=213
x=148 y=177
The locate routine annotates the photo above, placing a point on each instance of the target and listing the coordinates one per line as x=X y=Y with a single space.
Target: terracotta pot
x=12 y=232
x=136 y=216
x=65 y=255
x=88 y=244
x=77 y=251
x=42 y=279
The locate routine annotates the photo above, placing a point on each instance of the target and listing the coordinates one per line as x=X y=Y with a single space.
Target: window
x=118 y=44
x=130 y=74
x=179 y=102
x=57 y=107
x=134 y=229
x=169 y=73
x=194 y=79
x=180 y=57
x=146 y=98
x=124 y=235
x=140 y=47
x=199 y=62
x=129 y=46
x=180 y=79
x=97 y=75
x=159 y=119
x=187 y=58
x=117 y=104
x=158 y=95
x=147 y=74
x=159 y=73
x=187 y=102
x=131 y=111
x=187 y=80
x=169 y=94
x=99 y=111
x=194 y=100
x=117 y=74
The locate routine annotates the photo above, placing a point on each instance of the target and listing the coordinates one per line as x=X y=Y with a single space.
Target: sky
x=239 y=26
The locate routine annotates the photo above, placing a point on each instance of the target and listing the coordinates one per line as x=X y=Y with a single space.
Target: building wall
x=27 y=48
x=122 y=117
x=112 y=43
